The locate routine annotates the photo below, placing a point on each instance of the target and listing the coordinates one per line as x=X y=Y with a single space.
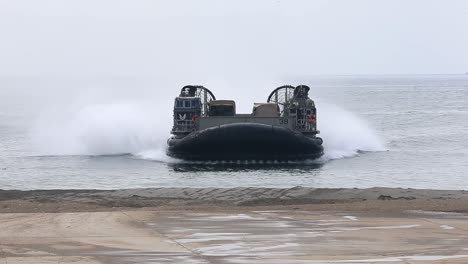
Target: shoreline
x=237 y=225
x=371 y=200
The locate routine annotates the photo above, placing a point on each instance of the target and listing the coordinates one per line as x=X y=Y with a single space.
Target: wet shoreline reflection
x=247 y=166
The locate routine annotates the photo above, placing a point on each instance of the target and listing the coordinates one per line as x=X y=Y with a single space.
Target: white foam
x=243 y=260
x=404 y=258
x=99 y=129
x=345 y=134
x=349 y=217
x=447 y=227
x=234 y=217
x=158 y=154
x=246 y=249
x=216 y=234
x=207 y=237
x=338 y=229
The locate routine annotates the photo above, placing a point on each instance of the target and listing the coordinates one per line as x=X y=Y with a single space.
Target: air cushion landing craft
x=283 y=128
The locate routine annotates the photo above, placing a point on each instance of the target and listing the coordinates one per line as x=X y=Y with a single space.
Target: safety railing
x=303 y=125
x=184 y=126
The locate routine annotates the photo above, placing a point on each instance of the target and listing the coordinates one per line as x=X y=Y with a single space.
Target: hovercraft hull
x=245 y=141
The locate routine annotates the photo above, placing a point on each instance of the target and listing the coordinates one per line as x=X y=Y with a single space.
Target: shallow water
x=389 y=131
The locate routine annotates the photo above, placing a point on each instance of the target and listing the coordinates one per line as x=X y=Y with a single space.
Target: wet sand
x=240 y=225
x=374 y=200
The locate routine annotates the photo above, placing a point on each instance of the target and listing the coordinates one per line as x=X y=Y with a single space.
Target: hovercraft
x=283 y=128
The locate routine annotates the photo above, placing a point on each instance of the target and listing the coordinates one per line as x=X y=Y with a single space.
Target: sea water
x=386 y=131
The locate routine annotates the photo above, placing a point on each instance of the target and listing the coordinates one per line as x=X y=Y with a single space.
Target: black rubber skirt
x=245 y=141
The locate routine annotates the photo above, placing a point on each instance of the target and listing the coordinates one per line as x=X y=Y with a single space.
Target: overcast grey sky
x=232 y=39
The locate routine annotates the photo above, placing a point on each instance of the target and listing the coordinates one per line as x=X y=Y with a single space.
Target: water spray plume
x=345 y=134
x=141 y=130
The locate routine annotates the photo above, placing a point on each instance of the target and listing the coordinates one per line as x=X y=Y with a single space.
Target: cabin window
x=196 y=104
x=188 y=104
x=222 y=110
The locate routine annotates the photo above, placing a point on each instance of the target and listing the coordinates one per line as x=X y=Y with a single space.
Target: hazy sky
x=232 y=39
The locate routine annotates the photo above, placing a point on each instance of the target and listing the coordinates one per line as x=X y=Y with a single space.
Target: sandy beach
x=372 y=200
x=239 y=225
